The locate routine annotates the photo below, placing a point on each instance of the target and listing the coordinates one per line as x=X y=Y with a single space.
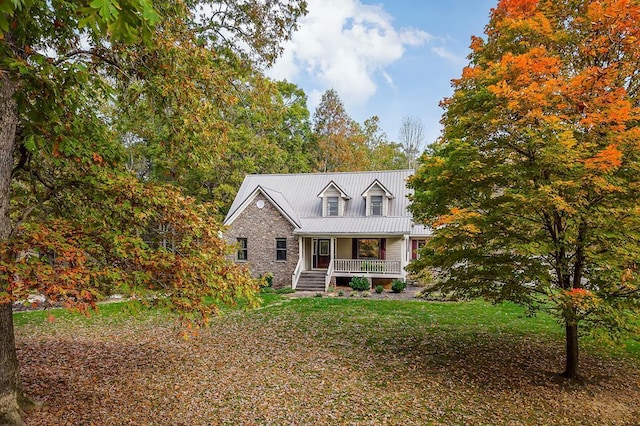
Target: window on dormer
x=376 y=205
x=332 y=206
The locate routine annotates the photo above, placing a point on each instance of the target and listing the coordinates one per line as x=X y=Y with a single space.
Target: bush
x=379 y=289
x=266 y=280
x=267 y=290
x=341 y=293
x=398 y=286
x=422 y=278
x=285 y=290
x=359 y=284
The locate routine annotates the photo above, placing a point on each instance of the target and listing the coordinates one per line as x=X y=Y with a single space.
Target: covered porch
x=368 y=256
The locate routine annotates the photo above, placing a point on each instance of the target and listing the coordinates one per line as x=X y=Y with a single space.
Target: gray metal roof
x=297 y=196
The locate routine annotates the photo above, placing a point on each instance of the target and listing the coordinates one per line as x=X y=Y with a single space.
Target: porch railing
x=327 y=278
x=296 y=273
x=364 y=266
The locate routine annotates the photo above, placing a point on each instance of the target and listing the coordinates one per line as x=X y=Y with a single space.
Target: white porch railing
x=362 y=266
x=327 y=278
x=296 y=273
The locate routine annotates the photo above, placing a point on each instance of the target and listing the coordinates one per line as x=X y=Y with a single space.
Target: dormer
x=333 y=199
x=376 y=199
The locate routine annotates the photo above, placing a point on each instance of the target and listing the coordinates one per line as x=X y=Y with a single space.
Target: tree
x=411 y=139
x=533 y=189
x=73 y=222
x=340 y=143
x=384 y=155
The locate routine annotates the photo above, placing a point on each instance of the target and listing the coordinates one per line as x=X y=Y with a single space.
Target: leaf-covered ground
x=321 y=361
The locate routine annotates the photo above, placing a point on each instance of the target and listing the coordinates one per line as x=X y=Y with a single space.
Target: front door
x=321 y=253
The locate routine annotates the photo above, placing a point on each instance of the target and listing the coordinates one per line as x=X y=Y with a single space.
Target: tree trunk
x=10 y=387
x=571 y=368
x=10 y=394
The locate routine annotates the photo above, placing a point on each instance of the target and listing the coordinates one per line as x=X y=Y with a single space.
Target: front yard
x=321 y=361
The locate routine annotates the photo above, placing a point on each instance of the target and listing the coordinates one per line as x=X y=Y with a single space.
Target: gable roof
x=296 y=196
x=336 y=186
x=376 y=182
x=276 y=198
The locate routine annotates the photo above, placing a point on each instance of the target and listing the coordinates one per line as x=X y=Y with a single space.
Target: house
x=312 y=230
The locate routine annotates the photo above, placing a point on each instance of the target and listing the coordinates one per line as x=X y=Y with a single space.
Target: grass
x=321 y=361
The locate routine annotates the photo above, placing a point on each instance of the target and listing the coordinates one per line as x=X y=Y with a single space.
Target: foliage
x=285 y=290
x=422 y=277
x=153 y=240
x=90 y=93
x=398 y=286
x=198 y=108
x=359 y=283
x=379 y=289
x=266 y=280
x=342 y=144
x=533 y=187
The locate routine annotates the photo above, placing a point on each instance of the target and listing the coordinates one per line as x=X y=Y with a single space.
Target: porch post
x=333 y=248
x=405 y=257
x=301 y=251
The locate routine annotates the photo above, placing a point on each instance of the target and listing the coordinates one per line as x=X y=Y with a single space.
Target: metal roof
x=297 y=196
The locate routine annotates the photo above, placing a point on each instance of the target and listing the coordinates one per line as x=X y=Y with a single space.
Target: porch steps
x=311 y=281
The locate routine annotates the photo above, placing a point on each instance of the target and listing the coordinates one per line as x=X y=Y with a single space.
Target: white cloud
x=388 y=79
x=343 y=44
x=445 y=53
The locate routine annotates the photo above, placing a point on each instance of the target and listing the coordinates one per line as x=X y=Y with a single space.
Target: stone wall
x=261 y=227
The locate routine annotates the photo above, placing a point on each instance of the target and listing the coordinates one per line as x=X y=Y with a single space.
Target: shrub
x=341 y=293
x=422 y=278
x=359 y=284
x=266 y=280
x=365 y=294
x=285 y=290
x=398 y=286
x=379 y=289
x=319 y=294
x=267 y=290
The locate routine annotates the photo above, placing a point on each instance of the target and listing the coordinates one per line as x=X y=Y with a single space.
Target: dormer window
x=376 y=205
x=332 y=206
x=377 y=199
x=333 y=200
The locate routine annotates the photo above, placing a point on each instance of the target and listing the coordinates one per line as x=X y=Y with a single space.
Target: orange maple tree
x=533 y=189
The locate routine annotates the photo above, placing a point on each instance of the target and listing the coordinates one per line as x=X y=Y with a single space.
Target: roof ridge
x=330 y=173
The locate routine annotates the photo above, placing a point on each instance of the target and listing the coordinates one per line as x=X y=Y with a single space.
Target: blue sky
x=387 y=58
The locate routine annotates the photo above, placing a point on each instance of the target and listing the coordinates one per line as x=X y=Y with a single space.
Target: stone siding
x=261 y=227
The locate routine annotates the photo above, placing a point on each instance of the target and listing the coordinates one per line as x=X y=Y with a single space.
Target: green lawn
x=321 y=361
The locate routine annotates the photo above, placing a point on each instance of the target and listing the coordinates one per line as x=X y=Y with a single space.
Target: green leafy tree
x=73 y=222
x=384 y=154
x=533 y=189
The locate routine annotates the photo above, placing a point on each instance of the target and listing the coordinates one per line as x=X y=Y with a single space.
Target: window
x=368 y=248
x=376 y=205
x=415 y=246
x=332 y=206
x=242 y=249
x=281 y=249
x=324 y=248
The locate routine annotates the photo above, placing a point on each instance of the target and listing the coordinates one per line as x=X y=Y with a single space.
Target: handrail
x=296 y=273
x=366 y=266
x=327 y=278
